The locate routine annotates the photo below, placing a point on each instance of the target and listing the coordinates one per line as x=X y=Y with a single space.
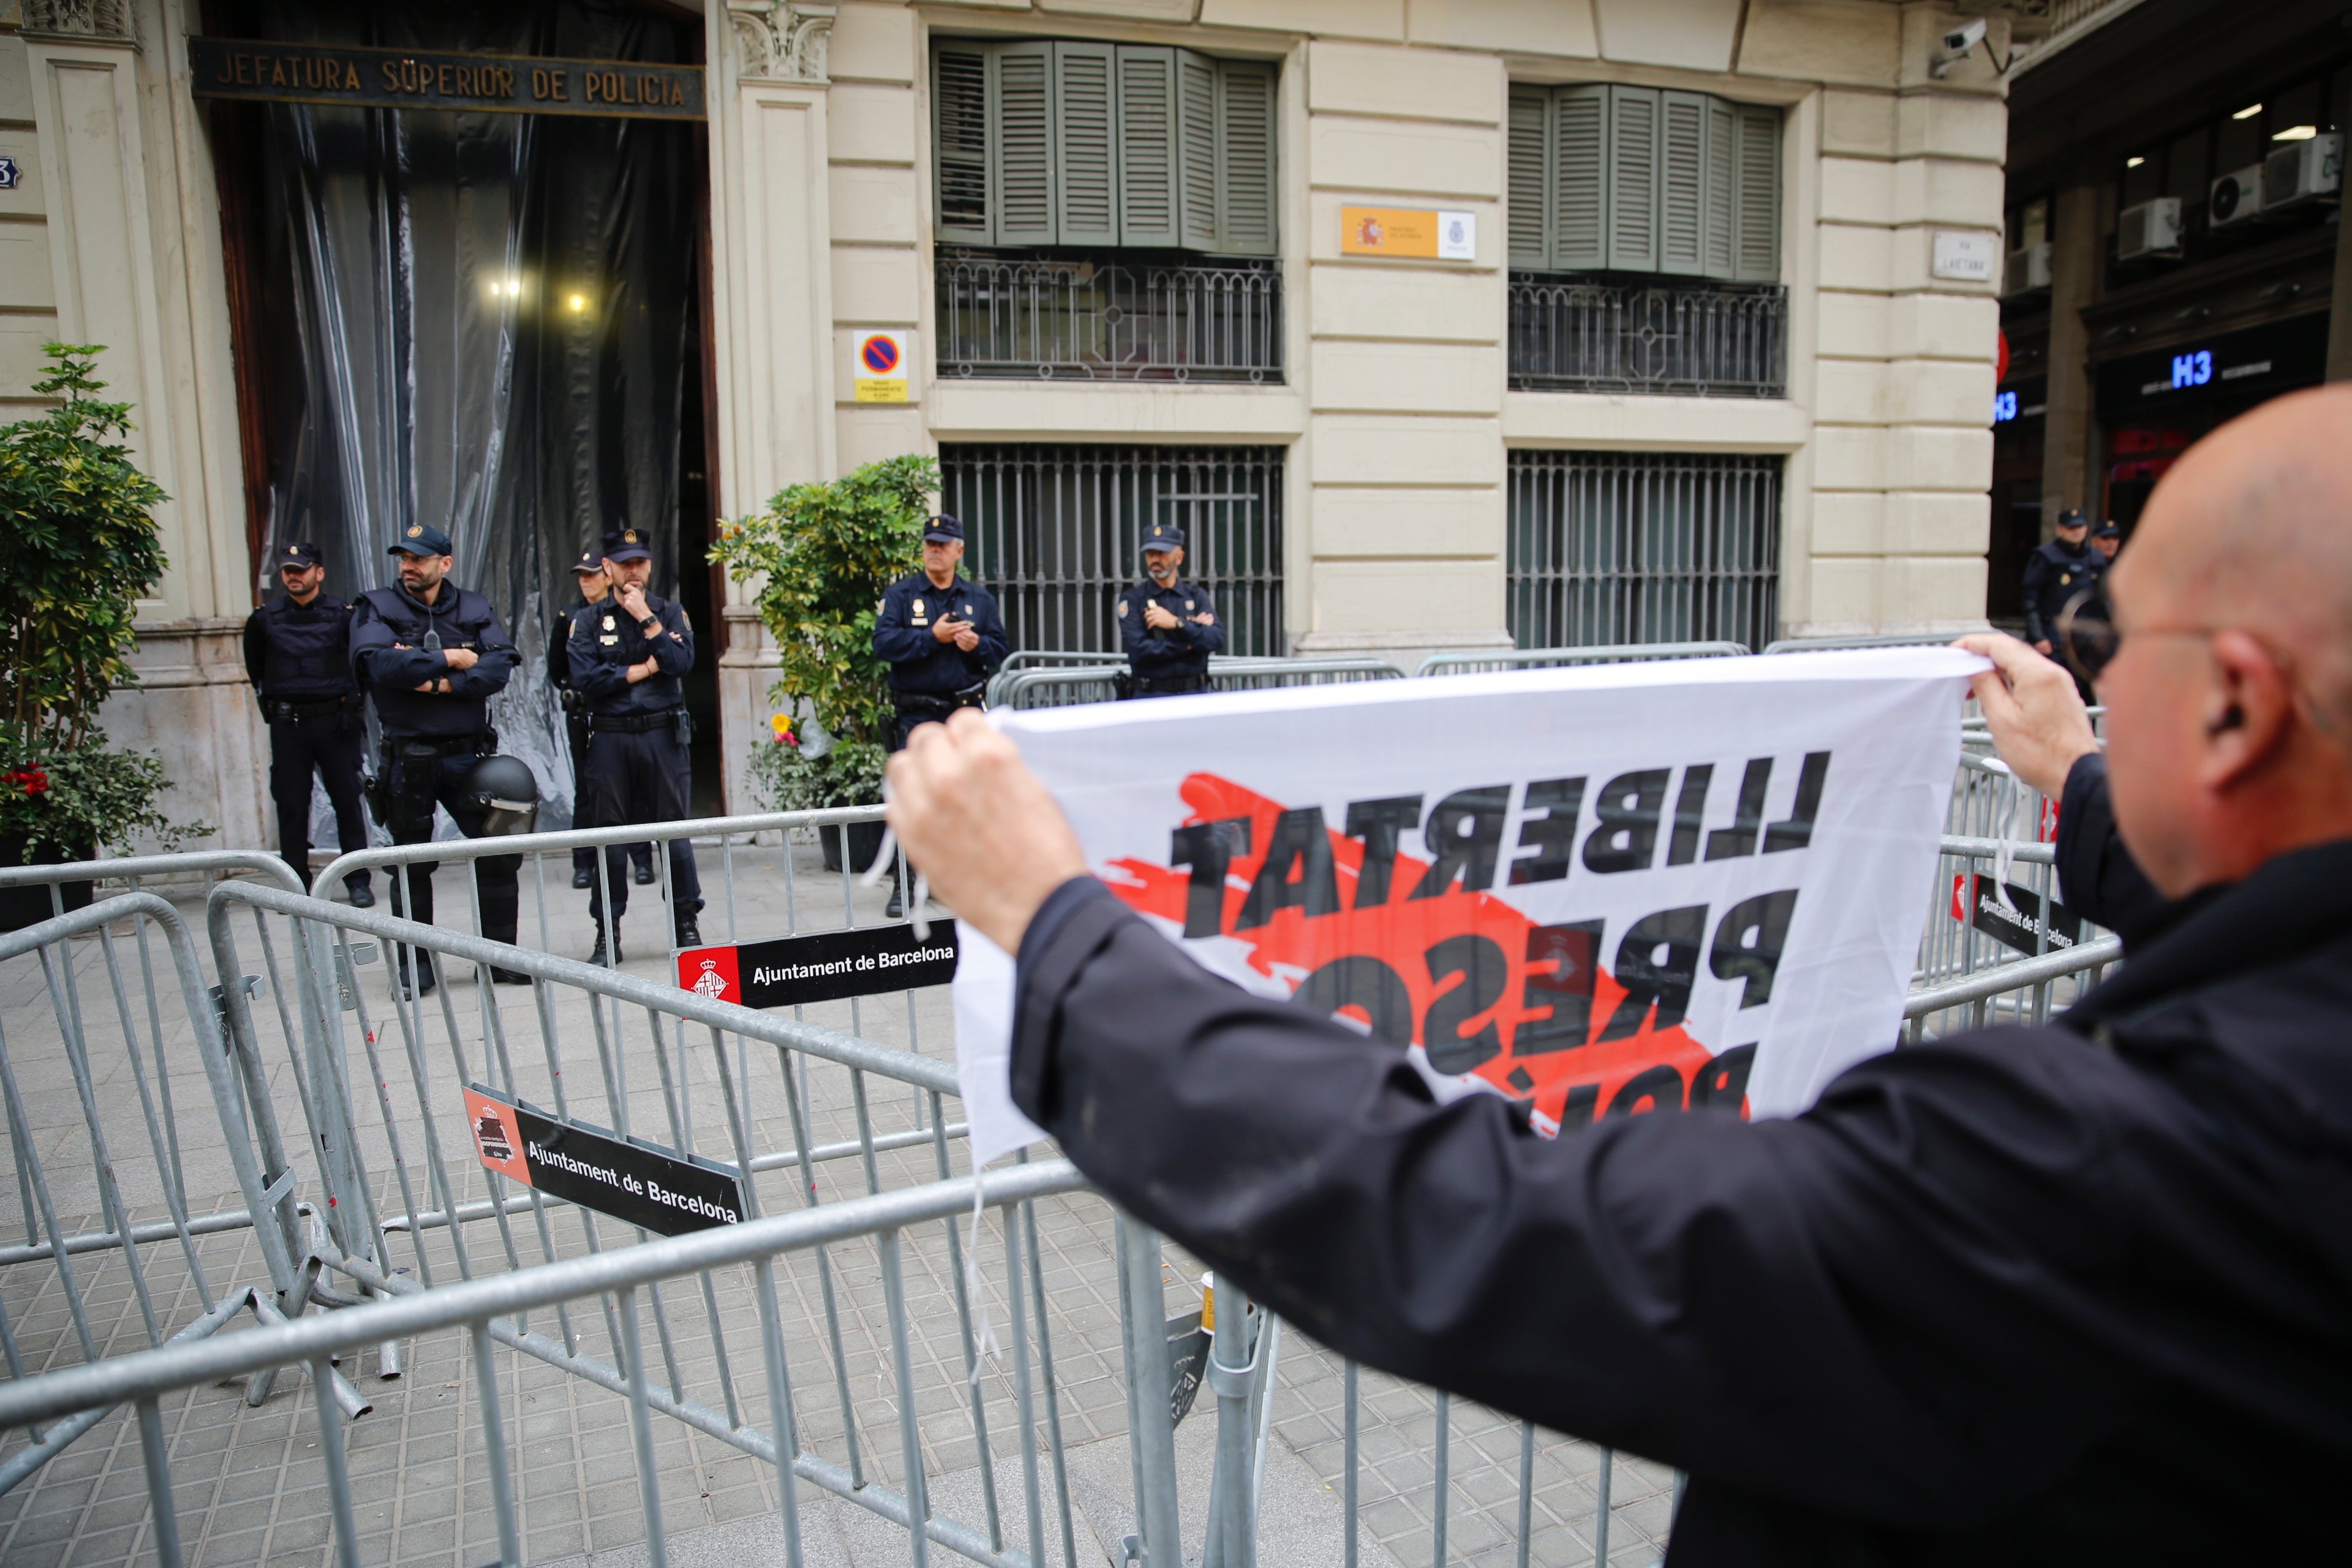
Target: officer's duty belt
x=634 y=723
x=324 y=708
x=1170 y=685
x=915 y=705
x=481 y=743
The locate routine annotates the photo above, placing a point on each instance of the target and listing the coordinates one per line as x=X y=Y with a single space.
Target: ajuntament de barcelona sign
x=418 y=78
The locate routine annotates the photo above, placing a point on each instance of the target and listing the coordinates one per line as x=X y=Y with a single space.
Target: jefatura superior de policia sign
x=1607 y=890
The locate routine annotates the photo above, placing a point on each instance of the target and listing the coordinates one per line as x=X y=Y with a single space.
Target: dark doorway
x=490 y=323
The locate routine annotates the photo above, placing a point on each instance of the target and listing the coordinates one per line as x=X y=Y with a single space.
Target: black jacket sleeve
x=1879 y=1308
x=256 y=651
x=2096 y=874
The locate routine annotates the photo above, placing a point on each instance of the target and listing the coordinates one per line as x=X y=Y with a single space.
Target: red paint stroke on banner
x=1401 y=933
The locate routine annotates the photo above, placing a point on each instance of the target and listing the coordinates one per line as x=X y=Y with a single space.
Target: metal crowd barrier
x=1863 y=639
x=1067 y=687
x=123 y=1281
x=1486 y=662
x=1041 y=658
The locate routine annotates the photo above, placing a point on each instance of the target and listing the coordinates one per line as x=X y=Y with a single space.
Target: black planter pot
x=30 y=904
x=865 y=843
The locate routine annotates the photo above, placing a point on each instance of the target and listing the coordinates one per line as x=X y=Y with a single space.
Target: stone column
x=2068 y=426
x=2339 y=313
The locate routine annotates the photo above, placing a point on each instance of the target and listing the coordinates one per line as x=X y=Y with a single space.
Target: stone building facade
x=1414 y=440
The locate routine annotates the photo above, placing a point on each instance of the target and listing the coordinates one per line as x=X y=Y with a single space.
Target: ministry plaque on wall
x=411 y=79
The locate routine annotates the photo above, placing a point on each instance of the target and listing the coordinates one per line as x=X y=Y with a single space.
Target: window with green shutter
x=1065 y=142
x=1639 y=180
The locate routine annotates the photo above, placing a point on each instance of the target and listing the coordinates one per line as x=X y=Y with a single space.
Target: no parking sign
x=881 y=368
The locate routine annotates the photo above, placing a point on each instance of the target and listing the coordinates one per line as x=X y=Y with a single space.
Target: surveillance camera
x=1964 y=37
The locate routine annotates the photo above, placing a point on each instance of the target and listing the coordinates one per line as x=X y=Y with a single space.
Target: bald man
x=2075 y=1293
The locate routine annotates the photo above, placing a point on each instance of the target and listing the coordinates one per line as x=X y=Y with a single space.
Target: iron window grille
x=1641 y=547
x=1656 y=336
x=1126 y=316
x=1055 y=533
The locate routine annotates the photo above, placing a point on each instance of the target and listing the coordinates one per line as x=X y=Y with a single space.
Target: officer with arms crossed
x=431 y=655
x=297 y=653
x=629 y=650
x=942 y=636
x=1169 y=626
x=589 y=573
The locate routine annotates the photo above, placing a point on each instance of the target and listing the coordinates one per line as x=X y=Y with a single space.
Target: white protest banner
x=1602 y=890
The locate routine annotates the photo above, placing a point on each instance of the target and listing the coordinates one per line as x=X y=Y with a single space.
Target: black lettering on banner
x=1370 y=986
x=1464 y=835
x=1379 y=822
x=1662 y=1085
x=1485 y=969
x=1796 y=830
x=1298 y=843
x=1690 y=814
x=1747 y=817
x=1657 y=963
x=1722 y=1084
x=1208 y=847
x=1573 y=952
x=1747 y=942
x=1549 y=829
x=1578 y=1111
x=1626 y=833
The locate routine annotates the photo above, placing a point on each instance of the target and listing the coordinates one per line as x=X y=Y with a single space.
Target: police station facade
x=1436 y=324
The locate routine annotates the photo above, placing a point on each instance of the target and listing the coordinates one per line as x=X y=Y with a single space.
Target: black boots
x=599 y=957
x=689 y=929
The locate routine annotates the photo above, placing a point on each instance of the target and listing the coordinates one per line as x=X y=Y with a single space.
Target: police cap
x=422 y=539
x=2072 y=518
x=942 y=529
x=298 y=553
x=2106 y=530
x=590 y=562
x=628 y=544
x=1163 y=536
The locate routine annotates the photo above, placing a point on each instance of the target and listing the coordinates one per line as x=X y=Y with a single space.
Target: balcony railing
x=1657 y=337
x=1014 y=316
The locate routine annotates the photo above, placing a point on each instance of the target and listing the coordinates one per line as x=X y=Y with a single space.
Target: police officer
x=297 y=653
x=942 y=636
x=589 y=573
x=2057 y=572
x=431 y=655
x=1169 y=626
x=629 y=650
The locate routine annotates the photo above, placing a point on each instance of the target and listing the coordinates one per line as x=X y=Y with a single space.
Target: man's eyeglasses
x=2088 y=638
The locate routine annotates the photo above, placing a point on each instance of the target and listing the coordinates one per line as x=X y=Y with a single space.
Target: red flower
x=32 y=781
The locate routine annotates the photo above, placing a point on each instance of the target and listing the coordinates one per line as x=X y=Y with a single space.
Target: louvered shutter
x=1149 y=192
x=1757 y=247
x=1246 y=223
x=1633 y=170
x=1531 y=218
x=1722 y=194
x=1681 y=182
x=960 y=119
x=1021 y=141
x=1086 y=126
x=1580 y=179
x=1196 y=153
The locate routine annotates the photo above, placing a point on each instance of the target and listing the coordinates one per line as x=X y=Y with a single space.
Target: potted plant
x=78 y=514
x=821 y=555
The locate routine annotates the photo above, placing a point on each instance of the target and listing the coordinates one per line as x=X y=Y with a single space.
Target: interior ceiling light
x=578 y=302
x=2248 y=112
x=2295 y=134
x=2134 y=162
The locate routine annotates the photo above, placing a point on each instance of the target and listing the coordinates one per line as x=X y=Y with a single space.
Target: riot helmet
x=503 y=795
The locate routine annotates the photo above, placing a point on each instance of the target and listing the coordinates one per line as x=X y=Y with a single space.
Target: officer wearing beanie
x=431 y=655
x=629 y=652
x=1169 y=626
x=297 y=653
x=588 y=571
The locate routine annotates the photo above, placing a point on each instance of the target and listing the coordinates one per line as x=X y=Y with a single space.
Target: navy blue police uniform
x=930 y=679
x=2054 y=574
x=1167 y=661
x=576 y=732
x=298 y=657
x=638 y=767
x=430 y=738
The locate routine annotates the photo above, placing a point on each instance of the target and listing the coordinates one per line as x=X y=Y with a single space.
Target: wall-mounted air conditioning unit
x=2150 y=228
x=2303 y=172
x=2026 y=269
x=2236 y=197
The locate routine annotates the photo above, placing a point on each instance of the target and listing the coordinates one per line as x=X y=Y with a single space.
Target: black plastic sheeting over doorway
x=484 y=323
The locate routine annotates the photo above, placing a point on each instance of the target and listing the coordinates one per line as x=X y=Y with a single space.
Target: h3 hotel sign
x=413 y=78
